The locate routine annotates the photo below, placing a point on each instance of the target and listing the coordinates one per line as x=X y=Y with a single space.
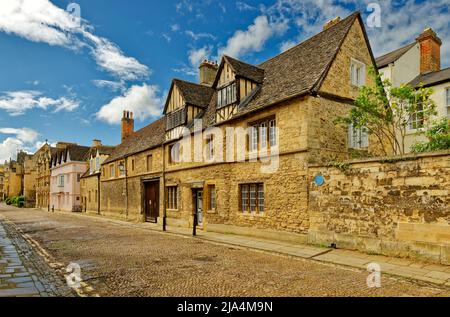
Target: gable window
x=357 y=73
x=447 y=101
x=417 y=119
x=172 y=198
x=357 y=138
x=252 y=198
x=149 y=162
x=97 y=164
x=91 y=166
x=226 y=95
x=176 y=118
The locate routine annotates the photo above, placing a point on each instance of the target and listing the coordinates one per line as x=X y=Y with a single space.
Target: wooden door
x=151 y=200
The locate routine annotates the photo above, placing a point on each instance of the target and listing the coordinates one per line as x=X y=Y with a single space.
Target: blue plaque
x=319 y=180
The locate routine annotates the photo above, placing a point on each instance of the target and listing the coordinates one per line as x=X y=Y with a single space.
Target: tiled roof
x=295 y=72
x=76 y=153
x=245 y=70
x=193 y=94
x=301 y=69
x=432 y=79
x=148 y=137
x=102 y=150
x=391 y=57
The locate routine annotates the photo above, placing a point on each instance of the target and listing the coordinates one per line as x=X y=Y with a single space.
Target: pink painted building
x=66 y=167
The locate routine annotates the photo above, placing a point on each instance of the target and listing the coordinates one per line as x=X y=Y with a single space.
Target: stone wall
x=398 y=206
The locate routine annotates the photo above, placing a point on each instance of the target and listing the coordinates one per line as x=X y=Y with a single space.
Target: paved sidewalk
x=406 y=268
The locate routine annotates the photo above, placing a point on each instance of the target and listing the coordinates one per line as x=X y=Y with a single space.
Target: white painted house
x=415 y=64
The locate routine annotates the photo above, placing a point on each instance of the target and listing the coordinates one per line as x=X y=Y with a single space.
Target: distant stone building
x=419 y=63
x=2 y=183
x=67 y=166
x=42 y=159
x=13 y=180
x=90 y=180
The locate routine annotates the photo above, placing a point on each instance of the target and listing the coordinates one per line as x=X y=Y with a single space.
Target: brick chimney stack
x=207 y=72
x=430 y=51
x=127 y=124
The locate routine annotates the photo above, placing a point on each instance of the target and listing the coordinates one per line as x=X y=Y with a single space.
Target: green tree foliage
x=438 y=138
x=385 y=112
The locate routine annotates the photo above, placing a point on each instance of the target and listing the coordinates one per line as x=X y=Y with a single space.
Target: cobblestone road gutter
x=24 y=268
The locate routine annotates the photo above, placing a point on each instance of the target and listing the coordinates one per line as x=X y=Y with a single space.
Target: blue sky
x=68 y=79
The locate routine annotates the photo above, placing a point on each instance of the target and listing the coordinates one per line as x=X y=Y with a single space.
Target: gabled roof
x=245 y=70
x=148 y=137
x=192 y=93
x=301 y=69
x=295 y=72
x=102 y=150
x=75 y=152
x=393 y=56
x=432 y=78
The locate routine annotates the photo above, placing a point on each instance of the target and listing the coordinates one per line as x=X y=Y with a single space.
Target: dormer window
x=176 y=118
x=226 y=95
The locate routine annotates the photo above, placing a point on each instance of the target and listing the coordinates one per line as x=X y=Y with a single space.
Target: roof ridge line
x=356 y=13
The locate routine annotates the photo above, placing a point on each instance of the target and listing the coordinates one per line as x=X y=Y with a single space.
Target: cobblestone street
x=122 y=260
x=22 y=271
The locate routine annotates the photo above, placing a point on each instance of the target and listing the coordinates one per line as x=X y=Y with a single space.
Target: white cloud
x=254 y=38
x=242 y=6
x=113 y=85
x=196 y=56
x=23 y=139
x=143 y=101
x=174 y=27
x=197 y=36
x=18 y=102
x=42 y=21
x=401 y=22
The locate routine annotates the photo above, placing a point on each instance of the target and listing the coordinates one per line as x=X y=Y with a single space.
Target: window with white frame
x=226 y=95
x=61 y=181
x=262 y=135
x=212 y=197
x=357 y=73
x=447 y=101
x=172 y=198
x=358 y=138
x=97 y=164
x=417 y=119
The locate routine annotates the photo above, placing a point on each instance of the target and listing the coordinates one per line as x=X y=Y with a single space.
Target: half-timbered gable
x=235 y=81
x=185 y=102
